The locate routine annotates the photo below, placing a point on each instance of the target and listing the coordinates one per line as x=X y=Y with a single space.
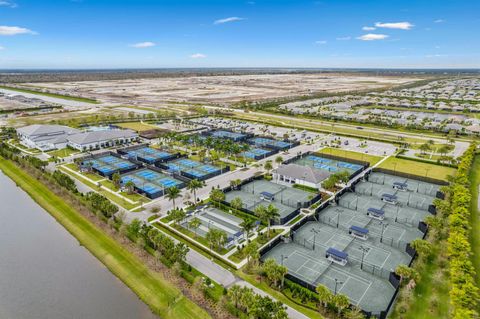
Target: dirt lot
x=222 y=89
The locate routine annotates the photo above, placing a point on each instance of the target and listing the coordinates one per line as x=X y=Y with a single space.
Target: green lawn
x=372 y=159
x=240 y=255
x=418 y=168
x=137 y=126
x=114 y=198
x=425 y=293
x=60 y=96
x=151 y=287
x=428 y=156
x=23 y=148
x=92 y=176
x=475 y=216
x=63 y=152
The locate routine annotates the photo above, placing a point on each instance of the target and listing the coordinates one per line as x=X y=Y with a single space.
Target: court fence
x=411 y=176
x=109 y=153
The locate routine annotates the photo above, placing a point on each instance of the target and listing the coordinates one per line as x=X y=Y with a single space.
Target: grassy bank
x=475 y=217
x=418 y=168
x=59 y=96
x=163 y=298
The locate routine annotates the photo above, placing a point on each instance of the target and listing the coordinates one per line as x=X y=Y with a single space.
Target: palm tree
x=195 y=223
x=236 y=203
x=217 y=195
x=404 y=272
x=217 y=238
x=354 y=313
x=247 y=225
x=341 y=302
x=116 y=179
x=172 y=194
x=251 y=250
x=268 y=166
x=193 y=186
x=130 y=186
x=272 y=213
x=235 y=294
x=261 y=212
x=324 y=295
x=279 y=160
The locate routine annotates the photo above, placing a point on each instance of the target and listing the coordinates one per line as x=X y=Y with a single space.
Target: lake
x=45 y=273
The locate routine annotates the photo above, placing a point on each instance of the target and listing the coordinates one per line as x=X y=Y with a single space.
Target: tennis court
x=229 y=135
x=107 y=165
x=389 y=232
x=152 y=184
x=368 y=291
x=329 y=165
x=262 y=192
x=211 y=217
x=149 y=155
x=356 y=242
x=270 y=143
x=193 y=169
x=413 y=185
x=257 y=153
x=405 y=198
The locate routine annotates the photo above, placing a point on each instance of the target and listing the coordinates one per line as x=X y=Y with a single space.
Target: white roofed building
x=300 y=174
x=45 y=137
x=101 y=139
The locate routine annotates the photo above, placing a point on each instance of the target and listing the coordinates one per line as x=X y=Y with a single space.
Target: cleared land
x=417 y=168
x=162 y=297
x=224 y=89
x=55 y=95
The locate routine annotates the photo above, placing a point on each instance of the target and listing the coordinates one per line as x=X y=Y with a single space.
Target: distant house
x=473 y=129
x=101 y=139
x=45 y=137
x=299 y=174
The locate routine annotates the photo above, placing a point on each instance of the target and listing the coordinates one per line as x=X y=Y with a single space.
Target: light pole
x=384 y=225
x=283 y=258
x=314 y=231
x=426 y=172
x=364 y=251
x=337 y=282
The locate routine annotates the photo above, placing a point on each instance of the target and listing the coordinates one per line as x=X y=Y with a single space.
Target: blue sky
x=143 y=33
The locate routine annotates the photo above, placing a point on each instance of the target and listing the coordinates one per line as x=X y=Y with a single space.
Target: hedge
x=464 y=295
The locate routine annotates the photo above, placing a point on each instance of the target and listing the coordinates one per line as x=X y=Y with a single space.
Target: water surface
x=46 y=274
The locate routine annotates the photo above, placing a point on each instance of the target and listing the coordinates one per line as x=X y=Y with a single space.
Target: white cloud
x=198 y=56
x=439 y=21
x=395 y=25
x=372 y=37
x=6 y=3
x=344 y=38
x=226 y=20
x=142 y=45
x=321 y=42
x=436 y=55
x=6 y=30
x=2 y=48
x=368 y=28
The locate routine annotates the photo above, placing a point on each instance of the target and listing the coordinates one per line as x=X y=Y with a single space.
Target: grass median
x=417 y=168
x=163 y=298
